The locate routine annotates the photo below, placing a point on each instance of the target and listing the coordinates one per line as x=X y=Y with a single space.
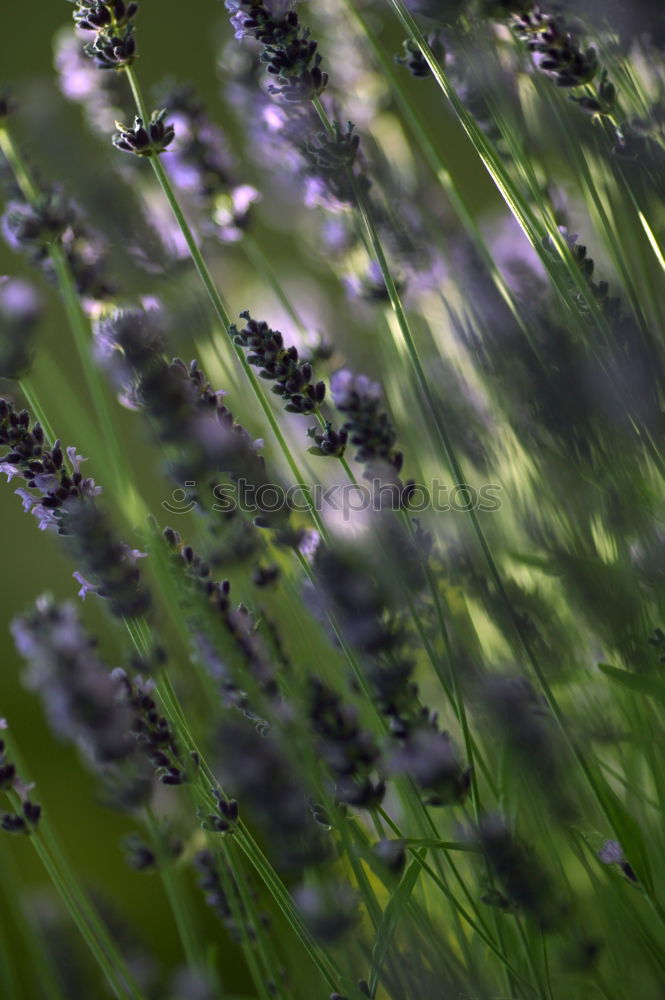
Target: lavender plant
x=386 y=725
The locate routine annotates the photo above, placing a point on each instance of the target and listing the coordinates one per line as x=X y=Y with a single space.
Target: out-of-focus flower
x=20 y=312
x=83 y=701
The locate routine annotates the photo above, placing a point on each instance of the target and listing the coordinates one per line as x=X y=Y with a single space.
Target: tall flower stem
x=32 y=400
x=80 y=328
x=172 y=883
x=203 y=782
x=222 y=313
x=83 y=913
x=571 y=283
x=439 y=169
x=30 y=934
x=430 y=409
x=219 y=307
x=259 y=260
x=596 y=783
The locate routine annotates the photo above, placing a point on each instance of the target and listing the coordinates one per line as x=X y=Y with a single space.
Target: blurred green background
x=182 y=40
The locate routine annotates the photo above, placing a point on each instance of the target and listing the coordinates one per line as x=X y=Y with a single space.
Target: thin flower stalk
x=83 y=913
x=522 y=212
x=77 y=321
x=414 y=753
x=217 y=302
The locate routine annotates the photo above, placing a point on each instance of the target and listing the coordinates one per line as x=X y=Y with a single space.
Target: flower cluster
x=83 y=700
x=429 y=757
x=611 y=853
x=349 y=751
x=43 y=468
x=112 y=718
x=365 y=610
x=657 y=640
x=152 y=731
x=630 y=356
x=367 y=425
x=329 y=158
x=329 y=911
x=61 y=497
x=145 y=139
x=362 y=604
x=32 y=229
x=336 y=150
x=187 y=413
x=526 y=883
x=279 y=364
x=609 y=304
x=110 y=567
x=556 y=49
x=259 y=772
x=218 y=890
x=112 y=22
x=20 y=312
x=200 y=165
x=25 y=818
x=524 y=723
x=413 y=58
x=235 y=621
x=6 y=102
x=559 y=54
x=101 y=95
x=288 y=51
x=391 y=855
x=98 y=15
x=605 y=97
x=328 y=442
x=144 y=857
x=225 y=817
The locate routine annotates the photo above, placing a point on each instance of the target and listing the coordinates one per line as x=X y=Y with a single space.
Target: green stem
x=172 y=883
x=248 y=921
x=220 y=309
x=23 y=178
x=259 y=260
x=34 y=406
x=87 y=921
x=575 y=285
x=440 y=171
x=79 y=326
x=466 y=916
x=430 y=408
x=97 y=388
x=40 y=959
x=205 y=779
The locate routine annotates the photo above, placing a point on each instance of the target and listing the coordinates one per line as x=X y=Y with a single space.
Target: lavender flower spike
x=82 y=700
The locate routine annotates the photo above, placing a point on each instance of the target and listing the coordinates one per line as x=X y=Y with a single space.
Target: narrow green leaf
x=641 y=683
x=396 y=905
x=443 y=845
